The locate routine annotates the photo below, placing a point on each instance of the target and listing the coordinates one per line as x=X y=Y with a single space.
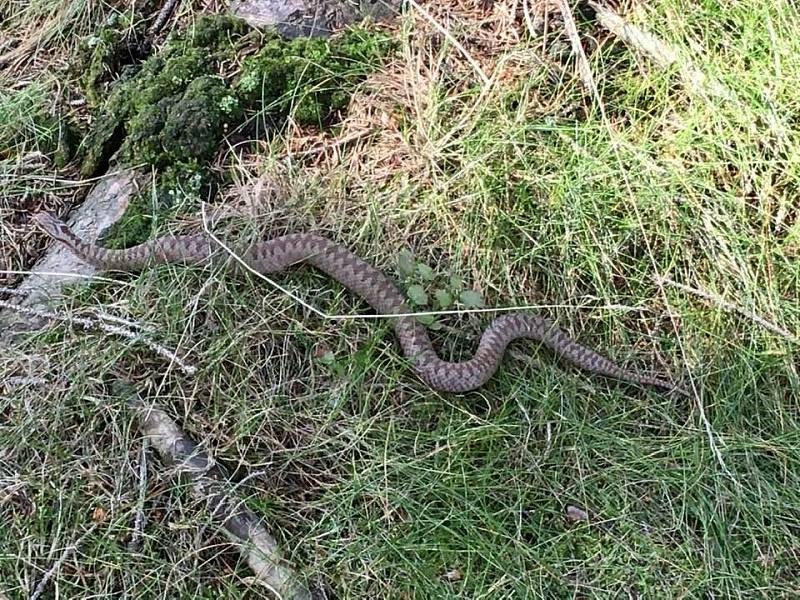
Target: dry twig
x=98 y=324
x=163 y=16
x=65 y=554
x=661 y=53
x=210 y=484
x=584 y=69
x=138 y=522
x=730 y=307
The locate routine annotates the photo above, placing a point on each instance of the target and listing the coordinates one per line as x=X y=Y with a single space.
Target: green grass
x=371 y=481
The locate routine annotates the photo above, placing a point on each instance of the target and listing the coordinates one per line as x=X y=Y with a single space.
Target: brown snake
x=370 y=284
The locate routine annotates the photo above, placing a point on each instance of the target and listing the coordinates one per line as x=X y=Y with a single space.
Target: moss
x=134 y=227
x=165 y=76
x=195 y=124
x=146 y=97
x=309 y=77
x=107 y=132
x=176 y=107
x=119 y=42
x=172 y=111
x=67 y=144
x=177 y=183
x=182 y=127
x=143 y=143
x=214 y=33
x=102 y=53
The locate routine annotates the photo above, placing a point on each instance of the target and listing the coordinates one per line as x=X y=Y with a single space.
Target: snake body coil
x=373 y=286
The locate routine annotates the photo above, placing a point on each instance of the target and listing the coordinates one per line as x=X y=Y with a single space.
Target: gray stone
x=312 y=18
x=103 y=207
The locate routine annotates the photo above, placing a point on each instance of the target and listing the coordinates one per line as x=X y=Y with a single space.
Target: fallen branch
x=108 y=328
x=584 y=69
x=210 y=484
x=661 y=53
x=730 y=307
x=163 y=16
x=139 y=520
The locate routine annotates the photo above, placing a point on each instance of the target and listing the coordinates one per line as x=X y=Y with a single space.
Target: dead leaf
x=575 y=514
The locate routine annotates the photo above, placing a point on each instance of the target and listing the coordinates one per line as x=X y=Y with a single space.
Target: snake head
x=53 y=227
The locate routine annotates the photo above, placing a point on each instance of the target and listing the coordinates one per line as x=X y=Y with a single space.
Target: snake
x=373 y=286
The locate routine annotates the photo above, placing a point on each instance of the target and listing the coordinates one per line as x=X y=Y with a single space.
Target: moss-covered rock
x=172 y=111
x=102 y=53
x=119 y=42
x=142 y=106
x=66 y=144
x=310 y=78
x=182 y=127
x=177 y=105
x=195 y=123
x=214 y=33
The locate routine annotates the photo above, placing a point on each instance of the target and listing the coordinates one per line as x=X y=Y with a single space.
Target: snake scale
x=374 y=287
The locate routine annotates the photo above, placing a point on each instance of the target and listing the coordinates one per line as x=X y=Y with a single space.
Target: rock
x=312 y=18
x=103 y=207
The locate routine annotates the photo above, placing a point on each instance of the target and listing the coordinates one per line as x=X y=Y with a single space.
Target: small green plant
x=327 y=358
x=428 y=290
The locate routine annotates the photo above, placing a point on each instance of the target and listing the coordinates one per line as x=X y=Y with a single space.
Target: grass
x=531 y=195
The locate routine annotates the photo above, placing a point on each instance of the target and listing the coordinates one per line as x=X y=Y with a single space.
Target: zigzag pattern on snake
x=375 y=288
